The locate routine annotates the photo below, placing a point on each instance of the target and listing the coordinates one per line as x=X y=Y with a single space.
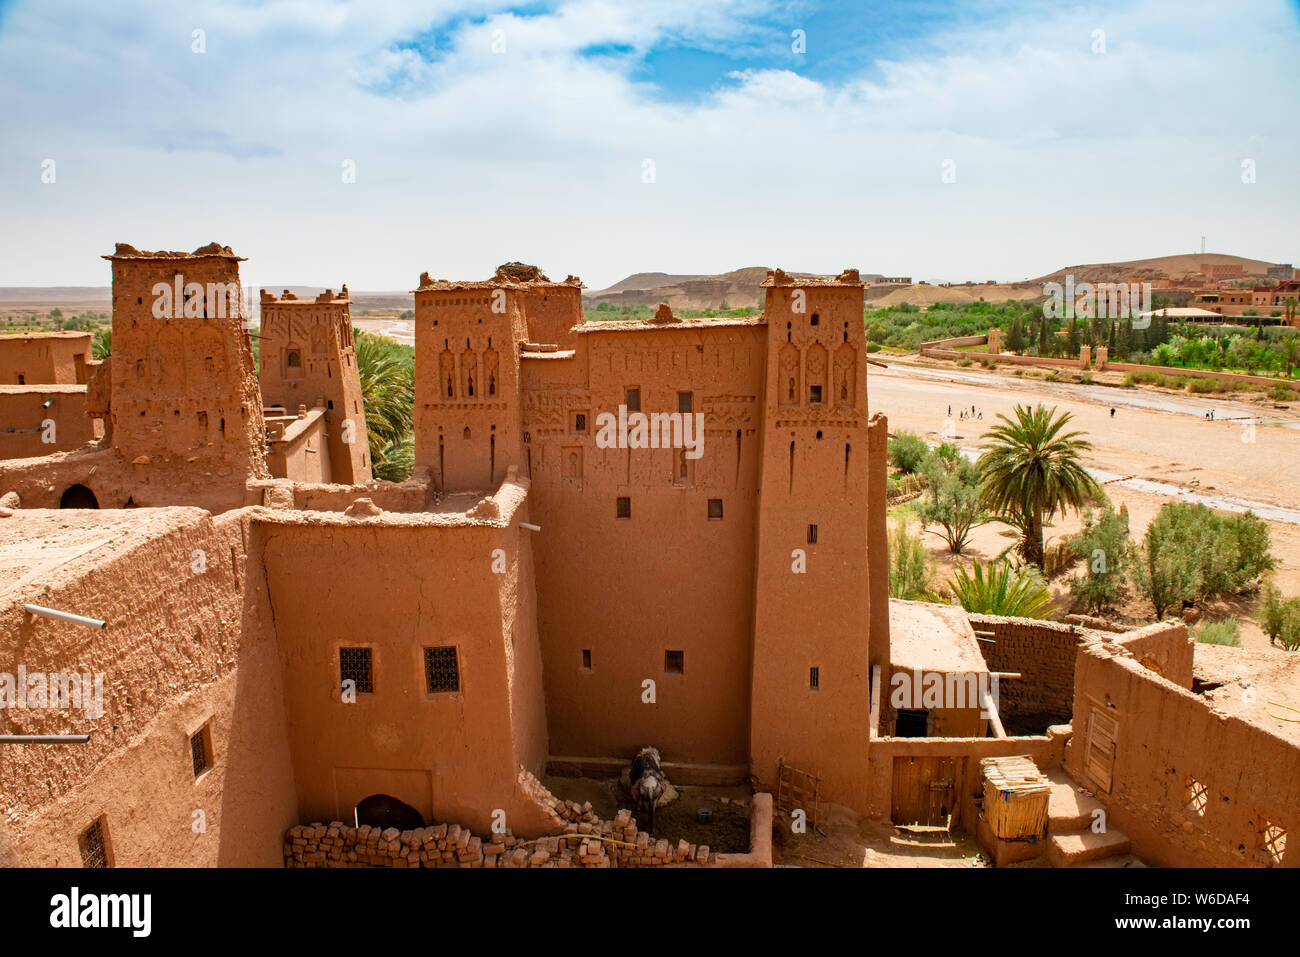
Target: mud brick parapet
x=586 y=842
x=1042 y=652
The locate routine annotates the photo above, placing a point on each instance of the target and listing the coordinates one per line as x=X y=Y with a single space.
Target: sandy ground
x=1156 y=435
x=842 y=839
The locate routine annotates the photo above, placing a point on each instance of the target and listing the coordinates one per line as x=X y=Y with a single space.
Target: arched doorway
x=384 y=811
x=78 y=496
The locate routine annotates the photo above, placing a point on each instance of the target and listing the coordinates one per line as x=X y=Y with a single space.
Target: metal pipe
x=530 y=527
x=44 y=738
x=65 y=616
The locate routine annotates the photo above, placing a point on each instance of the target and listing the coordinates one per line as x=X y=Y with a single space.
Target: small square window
x=355 y=666
x=715 y=509
x=812 y=534
x=441 y=671
x=94 y=849
x=580 y=422
x=624 y=507
x=815 y=395
x=684 y=401
x=201 y=749
x=674 y=662
x=586 y=659
x=814 y=677
x=633 y=402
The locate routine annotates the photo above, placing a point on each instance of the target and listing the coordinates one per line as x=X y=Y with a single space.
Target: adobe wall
x=1166 y=734
x=308 y=357
x=301 y=452
x=185 y=395
x=23 y=410
x=411 y=495
x=44 y=358
x=955 y=342
x=552 y=312
x=814 y=472
x=467 y=429
x=429 y=581
x=182 y=647
x=1165 y=648
x=668 y=578
x=1045 y=751
x=1042 y=652
x=1231 y=378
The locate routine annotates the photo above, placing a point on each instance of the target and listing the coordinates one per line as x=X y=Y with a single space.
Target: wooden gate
x=797 y=790
x=1099 y=760
x=925 y=790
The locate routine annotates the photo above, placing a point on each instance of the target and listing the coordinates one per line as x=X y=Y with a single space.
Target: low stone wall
x=956 y=342
x=587 y=841
x=411 y=495
x=1165 y=648
x=1230 y=378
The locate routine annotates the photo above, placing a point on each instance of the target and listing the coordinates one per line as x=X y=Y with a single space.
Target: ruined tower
x=812 y=608
x=308 y=357
x=183 y=390
x=467 y=400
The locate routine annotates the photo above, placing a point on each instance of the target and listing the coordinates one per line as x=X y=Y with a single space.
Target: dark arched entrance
x=78 y=496
x=383 y=811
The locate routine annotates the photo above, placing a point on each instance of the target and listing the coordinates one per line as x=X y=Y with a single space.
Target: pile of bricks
x=587 y=841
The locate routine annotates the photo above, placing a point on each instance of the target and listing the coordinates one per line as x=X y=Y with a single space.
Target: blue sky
x=973 y=140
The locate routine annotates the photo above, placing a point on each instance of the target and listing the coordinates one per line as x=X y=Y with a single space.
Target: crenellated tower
x=308 y=357
x=184 y=391
x=811 y=695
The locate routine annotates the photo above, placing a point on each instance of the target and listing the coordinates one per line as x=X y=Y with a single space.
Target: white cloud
x=468 y=157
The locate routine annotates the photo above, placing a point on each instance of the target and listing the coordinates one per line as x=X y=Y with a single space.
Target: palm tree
x=101 y=345
x=1291 y=353
x=1033 y=470
x=387 y=372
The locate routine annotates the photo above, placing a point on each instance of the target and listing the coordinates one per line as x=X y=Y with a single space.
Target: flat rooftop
x=41 y=546
x=933 y=637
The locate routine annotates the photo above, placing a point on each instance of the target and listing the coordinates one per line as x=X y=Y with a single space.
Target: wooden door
x=925 y=791
x=1099 y=758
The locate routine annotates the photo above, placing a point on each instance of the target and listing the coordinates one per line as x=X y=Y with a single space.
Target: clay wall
x=411 y=495
x=1042 y=652
x=188 y=646
x=669 y=577
x=184 y=390
x=1045 y=751
x=1165 y=648
x=301 y=453
x=552 y=311
x=308 y=357
x=1168 y=736
x=44 y=358
x=23 y=410
x=814 y=472
x=429 y=582
x=467 y=383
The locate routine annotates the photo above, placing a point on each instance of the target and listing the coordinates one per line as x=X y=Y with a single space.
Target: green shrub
x=907 y=452
x=1282 y=394
x=1280 y=619
x=1107 y=550
x=1219 y=633
x=909 y=565
x=1192 y=553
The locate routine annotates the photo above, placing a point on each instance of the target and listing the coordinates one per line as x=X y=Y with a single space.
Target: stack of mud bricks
x=587 y=841
x=1043 y=653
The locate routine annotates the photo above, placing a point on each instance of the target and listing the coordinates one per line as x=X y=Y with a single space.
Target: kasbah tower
x=184 y=391
x=738 y=582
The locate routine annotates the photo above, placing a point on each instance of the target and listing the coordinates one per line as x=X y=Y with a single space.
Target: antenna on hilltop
x=1202 y=245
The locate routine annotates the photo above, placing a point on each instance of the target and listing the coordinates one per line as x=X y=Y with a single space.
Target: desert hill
x=1180 y=266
